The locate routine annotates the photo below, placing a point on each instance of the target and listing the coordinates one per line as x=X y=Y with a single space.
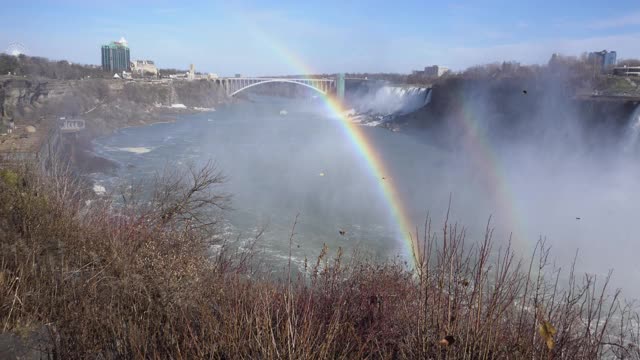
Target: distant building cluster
x=431 y=71
x=116 y=60
x=115 y=56
x=606 y=62
x=603 y=60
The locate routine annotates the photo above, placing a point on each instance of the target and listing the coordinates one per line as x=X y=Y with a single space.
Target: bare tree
x=188 y=197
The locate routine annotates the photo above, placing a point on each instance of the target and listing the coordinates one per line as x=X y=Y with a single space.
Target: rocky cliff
x=104 y=104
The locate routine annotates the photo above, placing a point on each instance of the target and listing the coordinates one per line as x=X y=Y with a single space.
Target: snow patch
x=99 y=190
x=136 y=150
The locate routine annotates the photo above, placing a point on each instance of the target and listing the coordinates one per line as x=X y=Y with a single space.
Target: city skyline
x=259 y=38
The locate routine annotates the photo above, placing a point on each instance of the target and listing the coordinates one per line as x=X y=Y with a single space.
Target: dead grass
x=141 y=281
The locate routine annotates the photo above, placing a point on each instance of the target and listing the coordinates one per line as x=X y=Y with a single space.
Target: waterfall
x=393 y=100
x=427 y=98
x=633 y=131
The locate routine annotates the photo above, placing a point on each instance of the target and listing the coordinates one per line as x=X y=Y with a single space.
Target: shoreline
x=87 y=161
x=81 y=150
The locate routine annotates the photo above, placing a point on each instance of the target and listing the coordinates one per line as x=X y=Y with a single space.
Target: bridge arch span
x=279 y=81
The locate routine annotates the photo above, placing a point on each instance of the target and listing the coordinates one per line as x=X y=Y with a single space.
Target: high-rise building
x=603 y=60
x=610 y=59
x=115 y=56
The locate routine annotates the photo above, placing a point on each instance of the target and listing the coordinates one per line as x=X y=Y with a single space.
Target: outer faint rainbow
x=485 y=159
x=363 y=146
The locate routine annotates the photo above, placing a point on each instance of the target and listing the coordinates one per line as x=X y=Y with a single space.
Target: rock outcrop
x=104 y=104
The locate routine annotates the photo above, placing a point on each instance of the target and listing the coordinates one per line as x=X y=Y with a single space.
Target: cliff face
x=199 y=93
x=18 y=96
x=104 y=104
x=534 y=107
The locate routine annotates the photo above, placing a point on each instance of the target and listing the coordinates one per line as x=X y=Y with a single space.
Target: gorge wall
x=536 y=108
x=104 y=104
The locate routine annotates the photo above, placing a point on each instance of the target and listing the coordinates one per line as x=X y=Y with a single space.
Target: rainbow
x=362 y=145
x=356 y=135
x=485 y=159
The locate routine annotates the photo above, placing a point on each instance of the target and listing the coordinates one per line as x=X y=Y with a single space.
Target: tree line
x=35 y=66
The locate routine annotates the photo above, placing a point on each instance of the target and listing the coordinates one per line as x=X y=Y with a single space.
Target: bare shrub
x=141 y=281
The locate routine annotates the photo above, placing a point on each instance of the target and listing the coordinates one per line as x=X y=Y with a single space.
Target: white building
x=627 y=71
x=142 y=67
x=435 y=71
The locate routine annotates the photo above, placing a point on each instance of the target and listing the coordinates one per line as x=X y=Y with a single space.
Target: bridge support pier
x=340 y=86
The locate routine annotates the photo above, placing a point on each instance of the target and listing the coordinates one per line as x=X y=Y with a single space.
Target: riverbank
x=81 y=147
x=102 y=105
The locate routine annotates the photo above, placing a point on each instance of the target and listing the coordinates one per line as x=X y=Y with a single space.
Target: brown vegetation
x=35 y=66
x=140 y=280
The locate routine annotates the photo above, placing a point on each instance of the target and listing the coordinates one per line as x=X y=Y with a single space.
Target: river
x=279 y=165
x=300 y=161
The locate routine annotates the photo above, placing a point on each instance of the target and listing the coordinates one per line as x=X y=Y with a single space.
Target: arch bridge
x=236 y=85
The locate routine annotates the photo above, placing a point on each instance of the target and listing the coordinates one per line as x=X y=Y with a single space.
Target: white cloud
x=630 y=19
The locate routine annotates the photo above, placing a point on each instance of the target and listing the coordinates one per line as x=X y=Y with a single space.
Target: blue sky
x=227 y=37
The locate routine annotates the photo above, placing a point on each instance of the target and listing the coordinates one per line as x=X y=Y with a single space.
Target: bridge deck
x=235 y=85
x=275 y=78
